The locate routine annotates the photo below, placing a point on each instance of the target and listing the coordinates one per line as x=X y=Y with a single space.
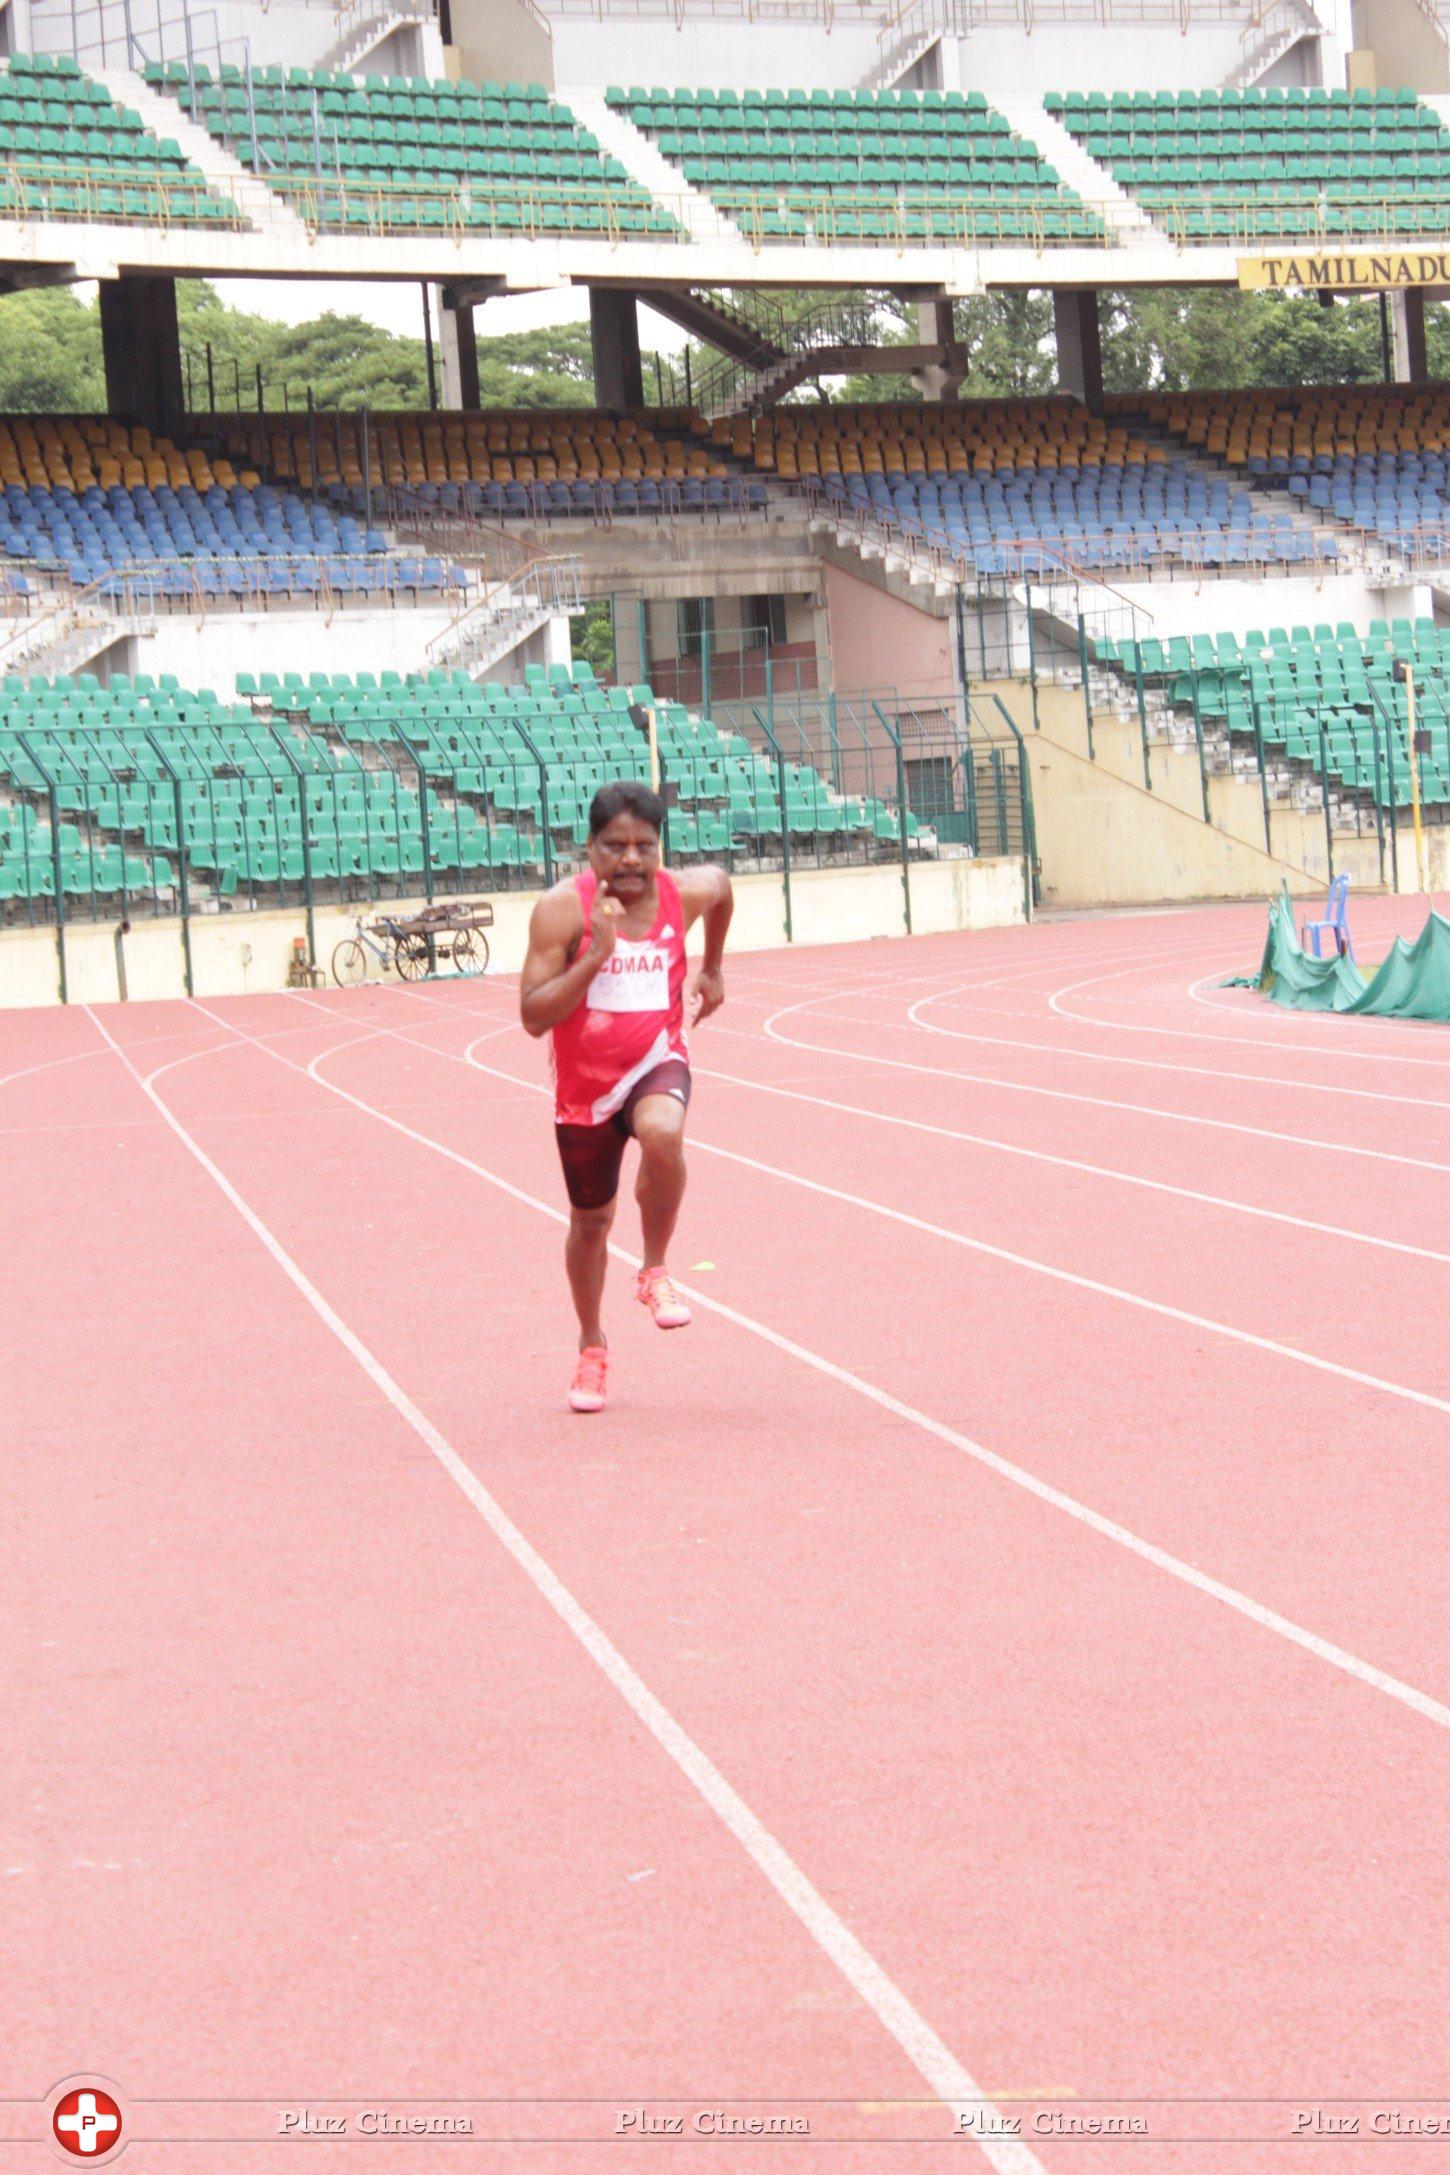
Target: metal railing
x=354 y=20
x=328 y=200
x=128 y=33
x=299 y=806
x=465 y=524
x=129 y=599
x=1270 y=32
x=1168 y=554
x=826 y=13
x=830 y=321
x=1351 y=767
x=512 y=604
x=104 y=195
x=919 y=21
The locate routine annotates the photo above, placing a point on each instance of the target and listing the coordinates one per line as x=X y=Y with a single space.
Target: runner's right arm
x=552 y=983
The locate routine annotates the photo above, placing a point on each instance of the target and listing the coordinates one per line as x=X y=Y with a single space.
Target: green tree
x=592 y=635
x=352 y=363
x=50 y=354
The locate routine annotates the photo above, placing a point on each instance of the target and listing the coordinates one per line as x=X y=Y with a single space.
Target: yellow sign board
x=1368 y=271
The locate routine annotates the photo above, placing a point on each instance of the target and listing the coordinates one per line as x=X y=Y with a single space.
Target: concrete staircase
x=365 y=26
x=507 y=614
x=619 y=137
x=1273 y=32
x=899 y=58
x=258 y=205
x=72 y=636
x=899 y=564
x=1125 y=218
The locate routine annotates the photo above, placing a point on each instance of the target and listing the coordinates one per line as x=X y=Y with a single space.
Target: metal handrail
x=831 y=322
x=536 y=581
x=1276 y=21
x=31 y=195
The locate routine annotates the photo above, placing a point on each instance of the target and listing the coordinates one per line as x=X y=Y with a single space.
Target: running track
x=997 y=1654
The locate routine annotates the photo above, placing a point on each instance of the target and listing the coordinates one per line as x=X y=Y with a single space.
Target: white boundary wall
x=233 y=954
x=1229 y=606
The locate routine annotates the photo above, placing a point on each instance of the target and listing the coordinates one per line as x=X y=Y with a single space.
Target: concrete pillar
x=141 y=349
x=457 y=351
x=614 y=338
x=1079 y=345
x=935 y=326
x=1407 y=336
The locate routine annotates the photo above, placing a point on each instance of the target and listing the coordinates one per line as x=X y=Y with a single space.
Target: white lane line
x=1074 y=1163
x=74 y=1057
x=1015 y=1260
x=1162 y=1064
x=930 y=2056
x=997 y=1253
x=1288 y=1025
x=1325 y=1650
x=1097 y=1102
x=1201 y=1034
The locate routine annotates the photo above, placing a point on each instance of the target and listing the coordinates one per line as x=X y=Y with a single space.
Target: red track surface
x=1036 y=1551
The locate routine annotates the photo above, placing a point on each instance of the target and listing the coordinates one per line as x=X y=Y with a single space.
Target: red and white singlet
x=630 y=1018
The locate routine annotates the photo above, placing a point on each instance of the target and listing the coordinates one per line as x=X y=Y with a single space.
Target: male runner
x=606 y=973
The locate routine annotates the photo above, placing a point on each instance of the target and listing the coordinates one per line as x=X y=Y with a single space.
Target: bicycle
x=416 y=946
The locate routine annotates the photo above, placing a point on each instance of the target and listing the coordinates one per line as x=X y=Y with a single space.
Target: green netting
x=1413 y=983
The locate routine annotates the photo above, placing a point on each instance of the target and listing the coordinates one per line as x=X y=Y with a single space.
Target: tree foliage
x=50 y=354
x=50 y=358
x=1171 y=339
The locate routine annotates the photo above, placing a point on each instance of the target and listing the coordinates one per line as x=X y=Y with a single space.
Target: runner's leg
x=658 y=1124
x=591 y=1156
x=586 y=1258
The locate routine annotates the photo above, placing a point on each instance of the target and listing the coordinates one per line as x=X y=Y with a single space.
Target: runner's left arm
x=706 y=894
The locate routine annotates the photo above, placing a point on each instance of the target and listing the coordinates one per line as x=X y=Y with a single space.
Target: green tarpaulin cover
x=1412 y=984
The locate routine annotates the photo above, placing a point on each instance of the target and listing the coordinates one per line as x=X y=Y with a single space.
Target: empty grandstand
x=263 y=652
x=981 y=465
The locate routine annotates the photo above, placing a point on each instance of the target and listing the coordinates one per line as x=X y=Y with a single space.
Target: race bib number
x=634 y=978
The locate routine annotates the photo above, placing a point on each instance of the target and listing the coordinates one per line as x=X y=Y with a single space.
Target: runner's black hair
x=627 y=797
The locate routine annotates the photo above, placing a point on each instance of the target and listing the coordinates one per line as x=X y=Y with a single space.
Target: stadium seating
x=1271 y=164
x=1020 y=485
x=1376 y=456
x=860 y=165
x=89 y=497
x=1285 y=683
x=409 y=155
x=529 y=462
x=1003 y=482
x=333 y=778
x=69 y=152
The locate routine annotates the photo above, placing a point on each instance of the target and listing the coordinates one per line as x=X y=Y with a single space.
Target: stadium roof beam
x=141 y=350
x=614 y=339
x=1079 y=345
x=936 y=326
x=457 y=349
x=1407 y=336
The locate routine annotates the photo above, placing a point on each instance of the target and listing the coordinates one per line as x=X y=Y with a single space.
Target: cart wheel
x=470 y=952
x=411 y=957
x=349 y=963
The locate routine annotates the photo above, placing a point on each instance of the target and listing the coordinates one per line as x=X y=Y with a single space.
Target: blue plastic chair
x=1335 y=923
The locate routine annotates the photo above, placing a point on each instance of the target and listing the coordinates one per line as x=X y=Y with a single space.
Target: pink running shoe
x=586 y=1391
x=654 y=1290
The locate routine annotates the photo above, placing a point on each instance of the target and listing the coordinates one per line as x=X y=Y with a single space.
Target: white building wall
x=1228 y=607
x=211 y=652
x=1088 y=57
x=705 y=51
x=1053 y=56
